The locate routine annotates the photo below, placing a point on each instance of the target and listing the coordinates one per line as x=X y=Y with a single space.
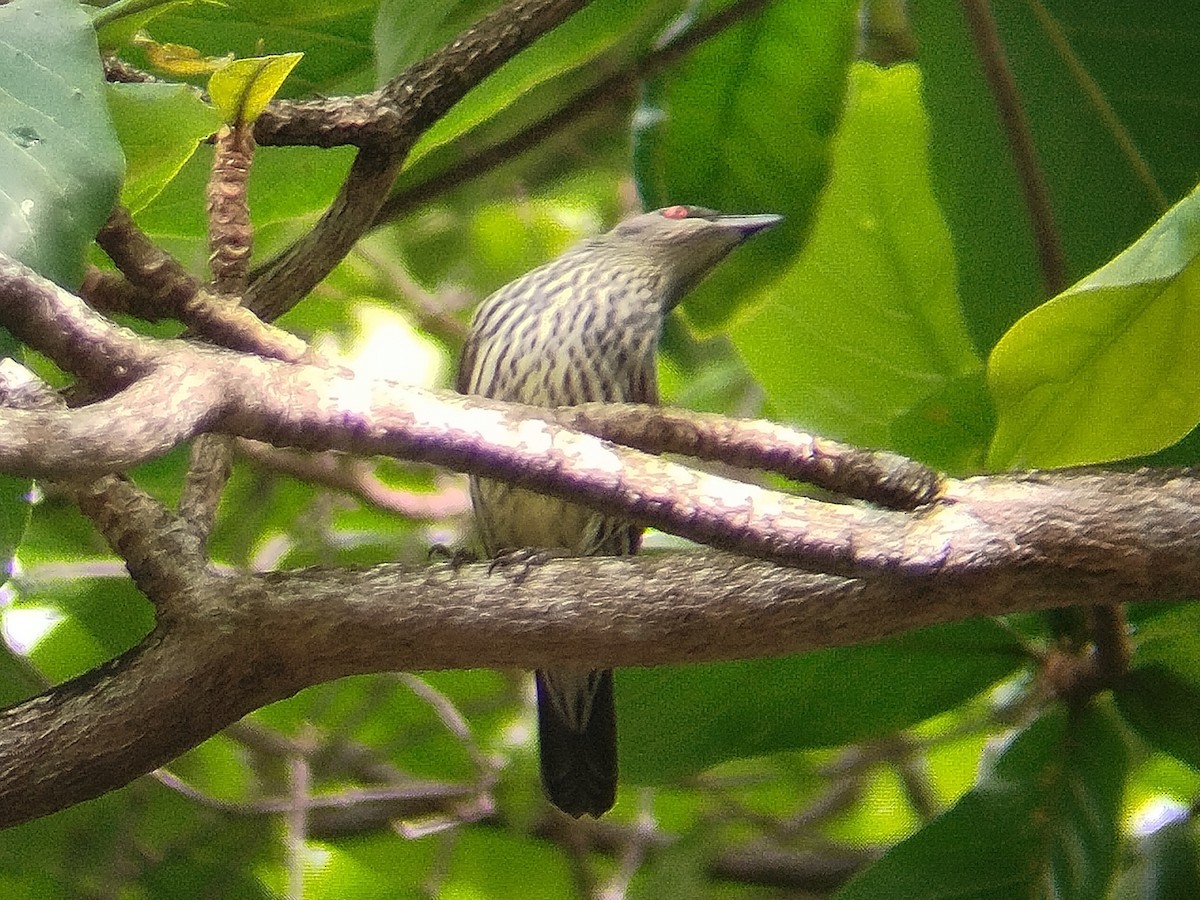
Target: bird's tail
x=577 y=730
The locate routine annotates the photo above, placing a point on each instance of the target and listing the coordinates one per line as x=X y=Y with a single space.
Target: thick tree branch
x=391 y=119
x=255 y=639
x=189 y=388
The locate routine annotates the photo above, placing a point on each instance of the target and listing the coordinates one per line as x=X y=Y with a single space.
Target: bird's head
x=682 y=242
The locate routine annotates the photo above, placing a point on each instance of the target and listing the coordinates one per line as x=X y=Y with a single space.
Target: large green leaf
x=1042 y=822
x=160 y=126
x=1106 y=370
x=865 y=325
x=1108 y=89
x=60 y=163
x=744 y=124
x=677 y=720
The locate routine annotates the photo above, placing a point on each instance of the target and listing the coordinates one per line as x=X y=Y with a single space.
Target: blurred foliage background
x=882 y=314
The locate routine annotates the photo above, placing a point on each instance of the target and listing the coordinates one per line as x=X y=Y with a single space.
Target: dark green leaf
x=1163 y=708
x=60 y=163
x=18 y=681
x=1112 y=136
x=677 y=720
x=1167 y=866
x=1160 y=696
x=949 y=430
x=1042 y=822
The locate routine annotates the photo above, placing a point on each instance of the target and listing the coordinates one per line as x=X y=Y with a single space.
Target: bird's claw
x=526 y=558
x=457 y=557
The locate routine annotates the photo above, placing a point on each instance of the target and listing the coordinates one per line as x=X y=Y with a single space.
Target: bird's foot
x=525 y=559
x=456 y=556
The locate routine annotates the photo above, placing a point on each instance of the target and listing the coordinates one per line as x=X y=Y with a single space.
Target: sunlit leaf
x=242 y=89
x=1106 y=370
x=160 y=126
x=865 y=325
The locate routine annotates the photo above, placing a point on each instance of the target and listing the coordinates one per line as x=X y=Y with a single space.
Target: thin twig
x=1096 y=96
x=1015 y=124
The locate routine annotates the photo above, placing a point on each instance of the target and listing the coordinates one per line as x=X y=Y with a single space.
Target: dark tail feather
x=579 y=764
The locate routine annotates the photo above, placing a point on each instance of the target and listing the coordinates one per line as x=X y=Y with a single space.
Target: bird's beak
x=749 y=225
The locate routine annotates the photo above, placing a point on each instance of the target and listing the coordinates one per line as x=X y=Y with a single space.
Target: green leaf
x=92 y=621
x=1170 y=638
x=15 y=504
x=160 y=127
x=1110 y=137
x=740 y=126
x=865 y=325
x=60 y=163
x=1164 y=708
x=17 y=680
x=600 y=28
x=242 y=89
x=1167 y=866
x=1042 y=822
x=677 y=720
x=118 y=22
x=1160 y=695
x=1106 y=369
x=950 y=429
x=289 y=189
x=335 y=38
x=407 y=30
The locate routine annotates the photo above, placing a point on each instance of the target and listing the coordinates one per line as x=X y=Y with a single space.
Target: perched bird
x=584 y=328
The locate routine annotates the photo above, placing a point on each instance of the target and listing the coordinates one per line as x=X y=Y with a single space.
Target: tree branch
x=256 y=639
x=385 y=124
x=981 y=25
x=968 y=526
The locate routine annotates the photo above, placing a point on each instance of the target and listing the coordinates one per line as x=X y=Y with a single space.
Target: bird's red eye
x=675 y=212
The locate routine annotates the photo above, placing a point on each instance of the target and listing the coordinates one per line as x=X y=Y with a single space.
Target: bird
x=581 y=328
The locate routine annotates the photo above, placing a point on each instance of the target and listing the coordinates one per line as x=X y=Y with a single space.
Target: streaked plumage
x=582 y=328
